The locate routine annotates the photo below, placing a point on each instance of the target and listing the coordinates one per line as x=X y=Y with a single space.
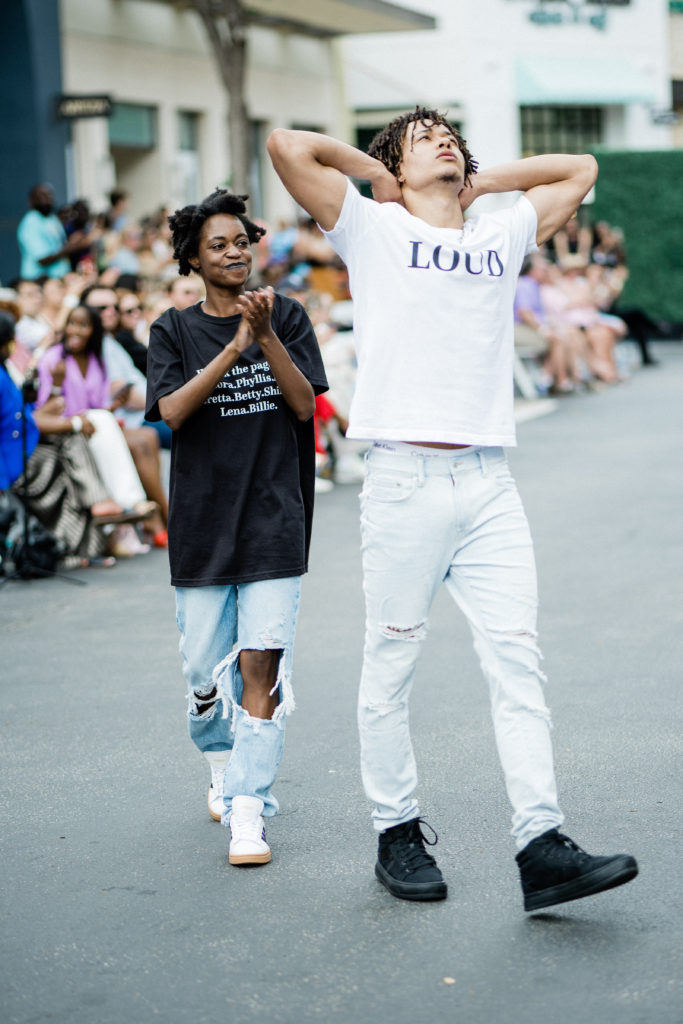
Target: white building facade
x=525 y=76
x=167 y=141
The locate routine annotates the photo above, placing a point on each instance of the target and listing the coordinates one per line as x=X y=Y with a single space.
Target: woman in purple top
x=74 y=369
x=79 y=357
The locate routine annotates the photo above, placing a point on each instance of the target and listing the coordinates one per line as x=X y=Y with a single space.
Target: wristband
x=55 y=391
x=76 y=424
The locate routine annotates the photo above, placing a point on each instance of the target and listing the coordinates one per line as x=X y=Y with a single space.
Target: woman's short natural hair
x=186 y=224
x=387 y=145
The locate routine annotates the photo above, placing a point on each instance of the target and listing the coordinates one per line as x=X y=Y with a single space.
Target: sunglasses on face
x=132 y=309
x=100 y=309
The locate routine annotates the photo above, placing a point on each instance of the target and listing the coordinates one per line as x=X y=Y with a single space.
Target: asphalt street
x=119 y=904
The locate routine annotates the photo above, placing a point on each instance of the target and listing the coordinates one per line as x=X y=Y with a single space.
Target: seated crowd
x=75 y=327
x=565 y=317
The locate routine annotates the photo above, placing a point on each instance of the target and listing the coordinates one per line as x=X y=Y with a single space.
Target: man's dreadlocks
x=387 y=145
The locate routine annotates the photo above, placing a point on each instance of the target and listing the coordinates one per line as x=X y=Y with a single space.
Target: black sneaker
x=404 y=866
x=555 y=870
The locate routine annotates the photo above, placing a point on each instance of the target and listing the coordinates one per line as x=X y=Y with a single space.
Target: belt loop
x=421 y=470
x=482 y=461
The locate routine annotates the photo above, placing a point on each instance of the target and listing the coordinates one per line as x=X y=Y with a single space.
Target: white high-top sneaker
x=218 y=760
x=247 y=834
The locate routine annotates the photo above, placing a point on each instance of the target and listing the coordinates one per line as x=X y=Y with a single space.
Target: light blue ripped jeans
x=215 y=624
x=430 y=516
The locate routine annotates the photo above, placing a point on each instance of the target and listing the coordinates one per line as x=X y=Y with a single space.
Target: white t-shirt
x=433 y=321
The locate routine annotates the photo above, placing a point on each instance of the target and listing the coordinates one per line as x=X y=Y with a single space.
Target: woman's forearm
x=296 y=390
x=52 y=423
x=183 y=403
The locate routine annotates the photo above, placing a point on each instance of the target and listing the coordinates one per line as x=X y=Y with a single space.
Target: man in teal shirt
x=42 y=240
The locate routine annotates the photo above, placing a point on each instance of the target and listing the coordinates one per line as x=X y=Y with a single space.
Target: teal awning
x=589 y=81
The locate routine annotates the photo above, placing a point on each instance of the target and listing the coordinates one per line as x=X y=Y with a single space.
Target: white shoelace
x=247 y=829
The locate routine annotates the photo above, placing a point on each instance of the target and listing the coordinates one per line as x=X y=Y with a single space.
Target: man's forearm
x=522 y=175
x=314 y=169
x=327 y=151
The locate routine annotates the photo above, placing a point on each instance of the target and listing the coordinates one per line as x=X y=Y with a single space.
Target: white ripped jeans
x=430 y=516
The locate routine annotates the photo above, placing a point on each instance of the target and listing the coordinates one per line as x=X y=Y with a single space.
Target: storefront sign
x=72 y=107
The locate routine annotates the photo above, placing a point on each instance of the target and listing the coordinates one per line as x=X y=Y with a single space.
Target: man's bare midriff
x=437 y=444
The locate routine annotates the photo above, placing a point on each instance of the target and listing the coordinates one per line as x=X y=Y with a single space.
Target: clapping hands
x=256 y=308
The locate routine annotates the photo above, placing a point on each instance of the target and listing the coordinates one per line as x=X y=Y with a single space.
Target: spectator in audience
x=536 y=334
x=42 y=240
x=572 y=240
x=125 y=380
x=79 y=225
x=128 y=333
x=607 y=247
x=75 y=284
x=20 y=359
x=556 y=306
x=333 y=324
x=280 y=248
x=77 y=362
x=9 y=303
x=54 y=309
x=641 y=327
x=185 y=291
x=583 y=312
x=33 y=331
x=62 y=487
x=105 y=302
x=126 y=258
x=315 y=260
x=117 y=216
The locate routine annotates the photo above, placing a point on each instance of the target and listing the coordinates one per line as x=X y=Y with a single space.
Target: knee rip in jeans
x=535 y=710
x=515 y=707
x=411 y=634
x=203 y=705
x=383 y=710
x=523 y=637
x=224 y=680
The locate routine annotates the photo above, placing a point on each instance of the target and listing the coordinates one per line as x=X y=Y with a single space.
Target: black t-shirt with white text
x=243 y=465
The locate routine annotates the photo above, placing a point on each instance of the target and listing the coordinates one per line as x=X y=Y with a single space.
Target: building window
x=364 y=136
x=560 y=129
x=188 y=131
x=133 y=125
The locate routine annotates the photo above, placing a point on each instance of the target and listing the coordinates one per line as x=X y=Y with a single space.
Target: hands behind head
x=386 y=189
x=469 y=193
x=256 y=308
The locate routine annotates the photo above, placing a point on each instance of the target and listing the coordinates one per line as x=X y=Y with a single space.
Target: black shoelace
x=410 y=849
x=563 y=841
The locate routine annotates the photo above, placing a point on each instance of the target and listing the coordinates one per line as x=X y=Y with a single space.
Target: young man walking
x=433 y=326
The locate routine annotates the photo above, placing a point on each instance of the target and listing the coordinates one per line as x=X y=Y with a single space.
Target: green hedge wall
x=642 y=193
